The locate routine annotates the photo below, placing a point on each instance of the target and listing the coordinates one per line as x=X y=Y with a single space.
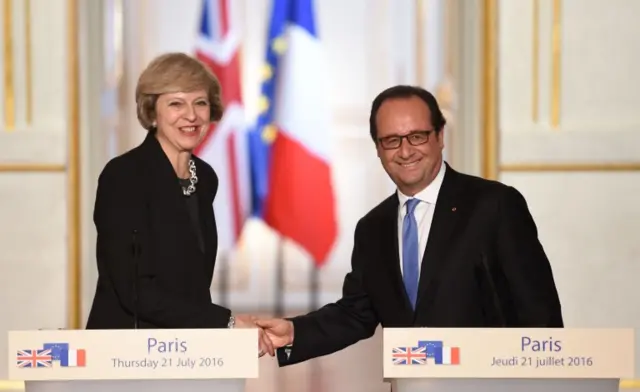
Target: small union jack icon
x=409 y=356
x=34 y=358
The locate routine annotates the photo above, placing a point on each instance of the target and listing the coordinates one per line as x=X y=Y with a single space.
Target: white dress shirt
x=423 y=213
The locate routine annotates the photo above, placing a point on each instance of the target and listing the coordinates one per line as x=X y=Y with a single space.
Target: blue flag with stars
x=433 y=348
x=262 y=135
x=56 y=349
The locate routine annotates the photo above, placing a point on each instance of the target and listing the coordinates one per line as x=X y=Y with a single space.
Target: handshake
x=274 y=333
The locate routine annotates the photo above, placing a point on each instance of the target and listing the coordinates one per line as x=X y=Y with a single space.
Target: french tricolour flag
x=448 y=356
x=73 y=358
x=225 y=146
x=300 y=200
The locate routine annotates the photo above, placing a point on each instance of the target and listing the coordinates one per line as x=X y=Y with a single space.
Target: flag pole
x=223 y=289
x=279 y=300
x=314 y=287
x=314 y=299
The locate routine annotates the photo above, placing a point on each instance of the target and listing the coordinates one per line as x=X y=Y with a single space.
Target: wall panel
x=569 y=139
x=36 y=172
x=588 y=223
x=33 y=266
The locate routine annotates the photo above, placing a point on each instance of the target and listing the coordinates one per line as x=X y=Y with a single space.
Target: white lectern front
x=134 y=360
x=501 y=360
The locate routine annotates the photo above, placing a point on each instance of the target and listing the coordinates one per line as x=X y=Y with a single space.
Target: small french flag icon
x=73 y=358
x=450 y=356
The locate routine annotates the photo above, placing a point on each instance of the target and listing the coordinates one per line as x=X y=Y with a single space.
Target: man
x=446 y=250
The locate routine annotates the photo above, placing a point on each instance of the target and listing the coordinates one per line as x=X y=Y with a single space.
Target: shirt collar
x=428 y=194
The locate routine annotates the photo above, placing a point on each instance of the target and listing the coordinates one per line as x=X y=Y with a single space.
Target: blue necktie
x=410 y=254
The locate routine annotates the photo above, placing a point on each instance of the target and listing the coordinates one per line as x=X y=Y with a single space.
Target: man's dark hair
x=402 y=91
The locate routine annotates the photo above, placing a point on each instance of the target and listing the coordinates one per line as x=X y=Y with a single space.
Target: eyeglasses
x=414 y=138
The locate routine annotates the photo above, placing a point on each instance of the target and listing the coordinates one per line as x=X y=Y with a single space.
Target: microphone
x=494 y=292
x=136 y=253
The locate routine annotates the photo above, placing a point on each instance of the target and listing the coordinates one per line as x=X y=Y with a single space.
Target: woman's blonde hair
x=172 y=73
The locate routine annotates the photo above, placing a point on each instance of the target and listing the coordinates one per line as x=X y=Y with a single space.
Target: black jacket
x=483 y=267
x=139 y=203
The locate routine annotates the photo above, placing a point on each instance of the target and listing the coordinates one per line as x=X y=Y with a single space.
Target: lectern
x=504 y=359
x=134 y=360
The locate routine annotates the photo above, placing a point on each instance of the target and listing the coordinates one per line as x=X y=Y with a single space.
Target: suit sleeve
x=525 y=264
x=119 y=210
x=338 y=325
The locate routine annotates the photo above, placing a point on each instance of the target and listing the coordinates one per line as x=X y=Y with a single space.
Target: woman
x=157 y=237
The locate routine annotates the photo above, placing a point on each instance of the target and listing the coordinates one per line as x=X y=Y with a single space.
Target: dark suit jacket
x=483 y=267
x=139 y=191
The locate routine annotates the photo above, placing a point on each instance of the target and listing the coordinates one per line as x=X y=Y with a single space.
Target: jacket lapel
x=167 y=188
x=205 y=207
x=445 y=218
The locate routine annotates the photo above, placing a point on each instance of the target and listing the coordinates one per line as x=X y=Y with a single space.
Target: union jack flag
x=34 y=358
x=224 y=147
x=409 y=356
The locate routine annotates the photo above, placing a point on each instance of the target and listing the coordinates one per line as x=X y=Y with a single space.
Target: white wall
x=34 y=177
x=580 y=172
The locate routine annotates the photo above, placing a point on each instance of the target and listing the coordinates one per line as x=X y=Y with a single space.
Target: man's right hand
x=279 y=331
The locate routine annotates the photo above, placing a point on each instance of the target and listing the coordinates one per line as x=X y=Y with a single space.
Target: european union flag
x=262 y=135
x=433 y=347
x=56 y=349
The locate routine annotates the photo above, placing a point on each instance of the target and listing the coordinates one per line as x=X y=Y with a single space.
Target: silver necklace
x=192 y=178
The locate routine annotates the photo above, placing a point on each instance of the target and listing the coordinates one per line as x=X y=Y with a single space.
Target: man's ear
x=440 y=136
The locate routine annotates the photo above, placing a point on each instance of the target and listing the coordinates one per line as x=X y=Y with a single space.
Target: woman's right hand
x=248 y=321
